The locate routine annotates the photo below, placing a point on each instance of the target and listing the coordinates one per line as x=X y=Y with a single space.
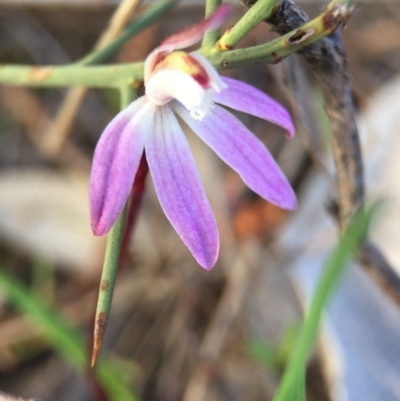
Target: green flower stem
x=128 y=94
x=107 y=76
x=292 y=382
x=147 y=18
x=260 y=11
x=211 y=37
x=111 y=260
x=278 y=49
x=115 y=76
x=107 y=282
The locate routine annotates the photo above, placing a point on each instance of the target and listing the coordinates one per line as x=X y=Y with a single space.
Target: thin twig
x=28 y=111
x=211 y=37
x=58 y=130
x=8 y=397
x=380 y=271
x=328 y=60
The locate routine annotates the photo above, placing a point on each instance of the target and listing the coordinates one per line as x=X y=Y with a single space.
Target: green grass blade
x=64 y=339
x=148 y=17
x=264 y=353
x=292 y=386
x=67 y=342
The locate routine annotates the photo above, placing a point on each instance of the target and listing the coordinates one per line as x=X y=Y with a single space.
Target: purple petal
x=246 y=98
x=241 y=150
x=179 y=188
x=115 y=163
x=192 y=34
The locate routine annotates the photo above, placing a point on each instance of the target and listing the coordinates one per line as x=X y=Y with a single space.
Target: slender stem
x=147 y=18
x=107 y=76
x=260 y=11
x=107 y=282
x=211 y=37
x=128 y=94
x=117 y=247
x=113 y=76
x=120 y=20
x=111 y=261
x=278 y=49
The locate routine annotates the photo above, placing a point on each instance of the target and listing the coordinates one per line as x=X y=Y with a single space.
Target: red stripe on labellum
x=200 y=75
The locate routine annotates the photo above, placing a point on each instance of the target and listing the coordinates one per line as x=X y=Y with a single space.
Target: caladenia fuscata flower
x=186 y=85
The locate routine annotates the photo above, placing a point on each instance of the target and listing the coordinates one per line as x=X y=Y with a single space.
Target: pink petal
x=179 y=188
x=241 y=150
x=194 y=33
x=115 y=163
x=186 y=37
x=246 y=98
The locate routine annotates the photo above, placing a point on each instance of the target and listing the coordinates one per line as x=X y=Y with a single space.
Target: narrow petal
x=241 y=150
x=115 y=163
x=186 y=37
x=179 y=188
x=246 y=98
x=194 y=33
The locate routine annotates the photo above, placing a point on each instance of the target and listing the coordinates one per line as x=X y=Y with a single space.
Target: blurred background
x=177 y=332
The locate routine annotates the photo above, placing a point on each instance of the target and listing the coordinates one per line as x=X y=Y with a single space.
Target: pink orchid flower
x=177 y=83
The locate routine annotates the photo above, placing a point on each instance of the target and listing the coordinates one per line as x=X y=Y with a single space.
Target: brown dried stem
x=327 y=59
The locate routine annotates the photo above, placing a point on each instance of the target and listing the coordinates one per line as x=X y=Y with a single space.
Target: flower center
x=184 y=62
x=187 y=78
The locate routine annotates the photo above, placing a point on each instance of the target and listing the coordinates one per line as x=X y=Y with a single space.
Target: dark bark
x=328 y=61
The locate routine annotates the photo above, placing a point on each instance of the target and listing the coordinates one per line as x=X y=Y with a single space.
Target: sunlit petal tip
x=289 y=126
x=289 y=199
x=101 y=218
x=247 y=99
x=100 y=228
x=208 y=260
